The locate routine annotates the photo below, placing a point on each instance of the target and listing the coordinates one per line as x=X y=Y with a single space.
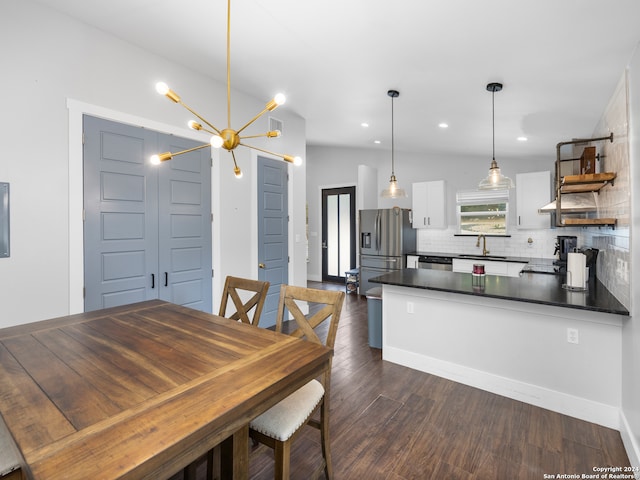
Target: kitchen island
x=524 y=337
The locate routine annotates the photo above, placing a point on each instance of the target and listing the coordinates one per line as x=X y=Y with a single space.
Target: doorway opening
x=338 y=232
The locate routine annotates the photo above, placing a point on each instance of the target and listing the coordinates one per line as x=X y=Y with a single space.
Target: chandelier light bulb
x=162 y=88
x=280 y=99
x=237 y=172
x=155 y=160
x=193 y=125
x=297 y=160
x=216 y=141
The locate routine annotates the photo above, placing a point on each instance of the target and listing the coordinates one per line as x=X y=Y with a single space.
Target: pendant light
x=393 y=191
x=495 y=180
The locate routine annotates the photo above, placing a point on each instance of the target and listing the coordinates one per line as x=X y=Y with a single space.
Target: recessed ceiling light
x=522 y=139
x=364 y=124
x=443 y=125
x=377 y=142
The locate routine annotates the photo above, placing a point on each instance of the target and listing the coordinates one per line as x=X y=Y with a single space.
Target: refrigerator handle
x=378 y=229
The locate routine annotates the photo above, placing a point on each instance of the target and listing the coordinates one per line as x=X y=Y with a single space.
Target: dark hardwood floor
x=391 y=422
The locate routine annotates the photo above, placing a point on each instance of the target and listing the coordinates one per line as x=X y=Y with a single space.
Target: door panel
x=273 y=233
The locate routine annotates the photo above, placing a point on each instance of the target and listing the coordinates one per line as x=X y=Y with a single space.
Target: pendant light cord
x=493 y=88
x=392 y=140
x=393 y=94
x=493 y=122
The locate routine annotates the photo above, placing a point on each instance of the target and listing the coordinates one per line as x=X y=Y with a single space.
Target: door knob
x=261 y=265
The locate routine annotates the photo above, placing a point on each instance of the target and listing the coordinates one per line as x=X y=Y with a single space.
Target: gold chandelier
x=226 y=138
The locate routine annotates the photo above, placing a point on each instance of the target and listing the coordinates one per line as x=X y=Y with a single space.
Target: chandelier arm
x=236 y=169
x=286 y=158
x=254 y=119
x=188 y=150
x=233 y=156
x=210 y=131
x=199 y=117
x=270 y=134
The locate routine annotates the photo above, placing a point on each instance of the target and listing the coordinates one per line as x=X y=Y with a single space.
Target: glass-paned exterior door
x=338 y=232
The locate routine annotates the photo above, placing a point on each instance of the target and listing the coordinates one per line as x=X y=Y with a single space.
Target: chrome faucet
x=484 y=244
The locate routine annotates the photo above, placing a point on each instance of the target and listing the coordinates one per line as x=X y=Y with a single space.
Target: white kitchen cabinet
x=491 y=267
x=533 y=190
x=429 y=206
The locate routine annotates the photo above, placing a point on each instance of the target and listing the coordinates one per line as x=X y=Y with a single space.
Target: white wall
x=631 y=329
x=49 y=59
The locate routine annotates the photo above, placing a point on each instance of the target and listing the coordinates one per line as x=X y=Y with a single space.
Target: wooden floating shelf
x=589 y=222
x=591 y=182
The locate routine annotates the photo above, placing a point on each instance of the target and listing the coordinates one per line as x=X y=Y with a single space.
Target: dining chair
x=234 y=287
x=280 y=425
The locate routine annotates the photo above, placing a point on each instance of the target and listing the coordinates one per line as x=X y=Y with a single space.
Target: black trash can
x=374 y=316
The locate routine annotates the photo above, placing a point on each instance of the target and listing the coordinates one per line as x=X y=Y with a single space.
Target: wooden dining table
x=141 y=391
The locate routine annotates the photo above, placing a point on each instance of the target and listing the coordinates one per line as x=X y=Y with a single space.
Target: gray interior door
x=273 y=233
x=147 y=230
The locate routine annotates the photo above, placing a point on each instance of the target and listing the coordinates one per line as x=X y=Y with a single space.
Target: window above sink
x=483 y=212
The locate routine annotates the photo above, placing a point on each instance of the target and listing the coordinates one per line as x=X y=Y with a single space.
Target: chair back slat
x=234 y=287
x=331 y=301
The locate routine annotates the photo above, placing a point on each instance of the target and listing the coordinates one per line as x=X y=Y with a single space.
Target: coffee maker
x=565 y=244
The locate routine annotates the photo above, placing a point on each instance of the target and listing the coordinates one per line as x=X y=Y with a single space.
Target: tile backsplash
x=517 y=244
x=615 y=201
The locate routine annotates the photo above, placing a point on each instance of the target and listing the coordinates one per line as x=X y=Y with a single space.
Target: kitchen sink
x=483 y=257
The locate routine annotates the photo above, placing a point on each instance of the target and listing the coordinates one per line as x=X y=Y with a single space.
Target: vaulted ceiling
x=559 y=60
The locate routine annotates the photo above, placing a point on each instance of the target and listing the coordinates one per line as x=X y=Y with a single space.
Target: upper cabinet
x=429 y=206
x=532 y=190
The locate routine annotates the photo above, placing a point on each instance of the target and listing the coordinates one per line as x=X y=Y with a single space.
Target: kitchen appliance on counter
x=565 y=244
x=386 y=236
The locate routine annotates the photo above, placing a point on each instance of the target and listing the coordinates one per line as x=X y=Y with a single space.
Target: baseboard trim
x=582 y=408
x=630 y=445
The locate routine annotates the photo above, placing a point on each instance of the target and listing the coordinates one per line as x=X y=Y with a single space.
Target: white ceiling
x=559 y=60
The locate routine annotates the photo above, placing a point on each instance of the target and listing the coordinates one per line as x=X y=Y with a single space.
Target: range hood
x=574 y=203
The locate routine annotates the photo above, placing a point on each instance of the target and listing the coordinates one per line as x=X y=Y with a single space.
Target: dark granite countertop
x=494 y=258
x=528 y=287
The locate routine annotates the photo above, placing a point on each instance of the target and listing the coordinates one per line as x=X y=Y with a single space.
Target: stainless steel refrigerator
x=386 y=237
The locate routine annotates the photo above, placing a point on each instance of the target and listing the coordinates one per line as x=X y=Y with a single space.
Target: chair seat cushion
x=286 y=417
